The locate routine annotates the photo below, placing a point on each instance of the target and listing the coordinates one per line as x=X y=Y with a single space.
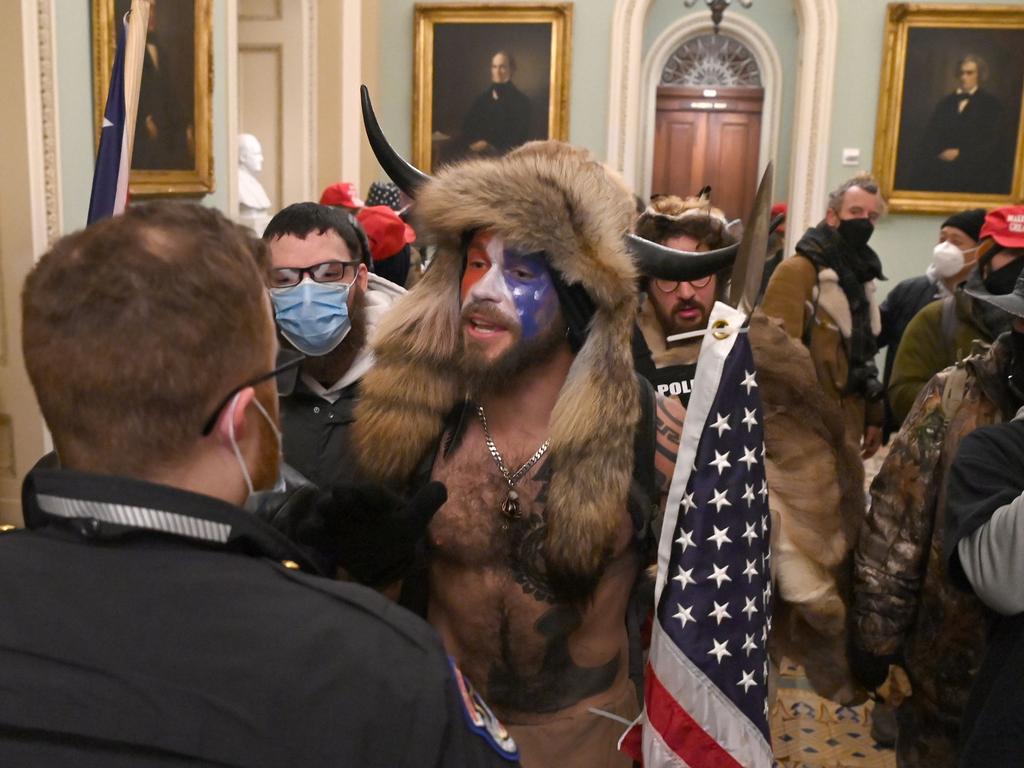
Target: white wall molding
x=50 y=118
x=309 y=76
x=41 y=112
x=624 y=84
x=818 y=21
x=351 y=77
x=231 y=83
x=739 y=28
x=818 y=24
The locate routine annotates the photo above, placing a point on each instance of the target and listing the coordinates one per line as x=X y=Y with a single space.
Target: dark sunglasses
x=292 y=359
x=668 y=286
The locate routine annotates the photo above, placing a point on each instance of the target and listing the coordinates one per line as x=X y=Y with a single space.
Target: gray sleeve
x=993 y=559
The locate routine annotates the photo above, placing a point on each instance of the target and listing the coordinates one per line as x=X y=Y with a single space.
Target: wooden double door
x=708 y=136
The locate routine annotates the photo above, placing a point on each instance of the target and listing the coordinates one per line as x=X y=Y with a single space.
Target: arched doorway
x=708 y=122
x=818 y=25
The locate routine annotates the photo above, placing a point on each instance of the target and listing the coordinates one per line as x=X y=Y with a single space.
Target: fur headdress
x=543 y=196
x=670 y=216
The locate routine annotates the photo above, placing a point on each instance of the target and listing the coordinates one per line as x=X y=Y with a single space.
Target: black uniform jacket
x=145 y=625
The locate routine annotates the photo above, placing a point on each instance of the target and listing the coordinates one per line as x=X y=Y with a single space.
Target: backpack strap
x=953 y=391
x=948 y=324
x=642 y=505
x=643 y=490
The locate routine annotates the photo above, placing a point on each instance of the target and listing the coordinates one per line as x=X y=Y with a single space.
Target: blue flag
x=110 y=178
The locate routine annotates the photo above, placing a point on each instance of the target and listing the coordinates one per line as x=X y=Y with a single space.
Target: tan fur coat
x=816 y=484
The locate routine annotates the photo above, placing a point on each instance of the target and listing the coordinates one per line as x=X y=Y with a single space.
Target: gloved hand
x=293 y=513
x=869 y=669
x=372 y=531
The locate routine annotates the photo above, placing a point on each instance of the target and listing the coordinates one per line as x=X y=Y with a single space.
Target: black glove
x=293 y=512
x=869 y=669
x=373 y=532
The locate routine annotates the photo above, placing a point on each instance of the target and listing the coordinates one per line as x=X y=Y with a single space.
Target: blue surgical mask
x=312 y=316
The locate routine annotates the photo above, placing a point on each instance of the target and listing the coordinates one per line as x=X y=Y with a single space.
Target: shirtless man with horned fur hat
x=506 y=374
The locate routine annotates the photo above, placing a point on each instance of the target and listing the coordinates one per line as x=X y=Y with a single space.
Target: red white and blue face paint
x=504 y=289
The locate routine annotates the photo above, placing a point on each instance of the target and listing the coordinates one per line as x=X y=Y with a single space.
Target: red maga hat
x=343 y=194
x=1005 y=226
x=387 y=233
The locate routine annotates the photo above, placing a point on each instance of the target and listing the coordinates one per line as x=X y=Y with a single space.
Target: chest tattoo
x=560 y=682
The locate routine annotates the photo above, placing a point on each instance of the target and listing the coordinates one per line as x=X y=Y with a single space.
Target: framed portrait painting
x=950 y=130
x=173 y=130
x=488 y=78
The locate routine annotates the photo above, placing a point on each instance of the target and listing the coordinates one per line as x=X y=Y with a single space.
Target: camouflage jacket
x=904 y=604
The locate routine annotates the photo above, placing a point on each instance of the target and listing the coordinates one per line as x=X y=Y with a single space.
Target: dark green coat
x=926 y=349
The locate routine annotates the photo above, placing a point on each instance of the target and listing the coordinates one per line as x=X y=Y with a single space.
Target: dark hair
x=300 y=219
x=980 y=62
x=863 y=181
x=136 y=327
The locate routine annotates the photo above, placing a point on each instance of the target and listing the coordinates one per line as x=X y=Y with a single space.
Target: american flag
x=114 y=156
x=706 y=692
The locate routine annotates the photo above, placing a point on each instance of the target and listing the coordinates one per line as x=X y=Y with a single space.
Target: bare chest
x=472 y=532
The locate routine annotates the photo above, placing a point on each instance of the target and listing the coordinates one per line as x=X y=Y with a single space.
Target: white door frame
x=818 y=24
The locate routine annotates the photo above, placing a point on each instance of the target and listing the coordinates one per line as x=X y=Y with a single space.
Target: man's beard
x=673 y=324
x=484 y=376
x=266 y=467
x=327 y=369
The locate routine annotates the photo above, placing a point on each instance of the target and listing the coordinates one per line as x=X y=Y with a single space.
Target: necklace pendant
x=510 y=506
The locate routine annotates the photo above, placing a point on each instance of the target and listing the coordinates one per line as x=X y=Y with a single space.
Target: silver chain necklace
x=510 y=506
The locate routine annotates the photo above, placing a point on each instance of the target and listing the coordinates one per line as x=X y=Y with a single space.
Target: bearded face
x=510 y=313
x=683 y=306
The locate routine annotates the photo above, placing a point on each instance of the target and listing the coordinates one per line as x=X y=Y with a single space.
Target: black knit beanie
x=968 y=222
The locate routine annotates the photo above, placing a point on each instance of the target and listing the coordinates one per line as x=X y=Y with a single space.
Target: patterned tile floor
x=811 y=732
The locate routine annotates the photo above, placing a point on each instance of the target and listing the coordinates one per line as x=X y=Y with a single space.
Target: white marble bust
x=253 y=203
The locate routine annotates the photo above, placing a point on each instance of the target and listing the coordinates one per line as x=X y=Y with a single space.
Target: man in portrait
x=964 y=147
x=499 y=118
x=164 y=131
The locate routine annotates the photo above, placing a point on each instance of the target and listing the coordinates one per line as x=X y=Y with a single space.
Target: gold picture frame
x=455 y=44
x=173 y=148
x=950 y=72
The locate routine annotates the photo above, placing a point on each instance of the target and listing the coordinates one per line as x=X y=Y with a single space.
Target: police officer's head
x=140 y=333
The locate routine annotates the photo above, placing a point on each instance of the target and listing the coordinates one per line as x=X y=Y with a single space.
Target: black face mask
x=856 y=232
x=1000 y=281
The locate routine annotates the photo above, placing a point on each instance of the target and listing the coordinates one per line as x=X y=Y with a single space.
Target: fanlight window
x=711 y=60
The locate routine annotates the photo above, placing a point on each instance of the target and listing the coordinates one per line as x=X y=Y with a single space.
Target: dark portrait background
x=167 y=93
x=932 y=56
x=462 y=71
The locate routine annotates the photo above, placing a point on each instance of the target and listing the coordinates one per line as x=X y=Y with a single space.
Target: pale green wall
x=903 y=241
x=75 y=108
x=588 y=92
x=778 y=19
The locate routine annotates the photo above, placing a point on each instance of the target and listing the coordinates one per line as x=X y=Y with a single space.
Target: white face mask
x=947 y=259
x=234 y=443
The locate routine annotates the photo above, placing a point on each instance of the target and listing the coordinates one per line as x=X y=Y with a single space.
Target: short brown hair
x=136 y=327
x=864 y=181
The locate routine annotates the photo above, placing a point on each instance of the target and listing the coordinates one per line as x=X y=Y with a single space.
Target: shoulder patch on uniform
x=481 y=720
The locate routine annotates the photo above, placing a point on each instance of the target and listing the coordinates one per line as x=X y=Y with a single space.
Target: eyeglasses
x=669 y=286
x=292 y=360
x=324 y=272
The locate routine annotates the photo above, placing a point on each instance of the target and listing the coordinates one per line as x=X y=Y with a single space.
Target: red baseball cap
x=343 y=194
x=1005 y=226
x=776 y=210
x=385 y=231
